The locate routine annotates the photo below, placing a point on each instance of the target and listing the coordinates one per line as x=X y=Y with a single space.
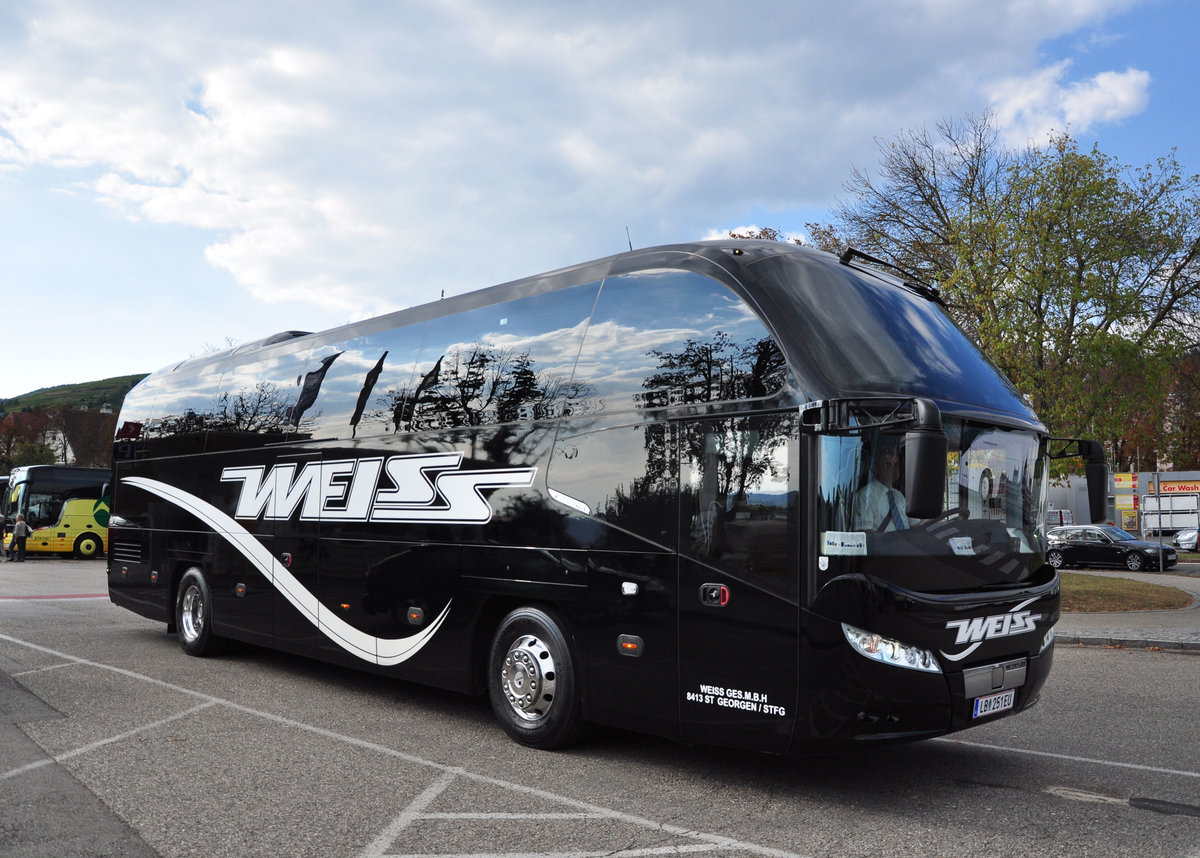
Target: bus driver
x=879 y=505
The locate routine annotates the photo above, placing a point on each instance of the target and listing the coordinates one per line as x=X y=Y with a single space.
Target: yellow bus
x=66 y=507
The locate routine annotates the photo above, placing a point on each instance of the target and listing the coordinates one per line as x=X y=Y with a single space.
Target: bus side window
x=139 y=419
x=624 y=477
x=261 y=402
x=664 y=338
x=185 y=409
x=364 y=389
x=501 y=363
x=738 y=496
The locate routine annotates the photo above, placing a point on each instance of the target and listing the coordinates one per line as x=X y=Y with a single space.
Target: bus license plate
x=993 y=703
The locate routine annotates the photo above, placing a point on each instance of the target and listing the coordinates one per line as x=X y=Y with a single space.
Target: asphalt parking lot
x=112 y=742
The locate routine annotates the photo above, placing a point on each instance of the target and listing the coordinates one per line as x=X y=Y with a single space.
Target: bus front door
x=738 y=581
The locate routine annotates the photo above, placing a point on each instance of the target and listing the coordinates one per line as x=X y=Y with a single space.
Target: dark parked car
x=1101 y=545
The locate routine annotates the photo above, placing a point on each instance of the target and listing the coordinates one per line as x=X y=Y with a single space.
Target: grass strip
x=1096 y=593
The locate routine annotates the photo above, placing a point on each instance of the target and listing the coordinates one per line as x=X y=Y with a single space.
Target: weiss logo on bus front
x=397 y=489
x=978 y=629
x=998 y=626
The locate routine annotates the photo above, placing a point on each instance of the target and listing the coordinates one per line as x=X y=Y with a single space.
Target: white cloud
x=362 y=158
x=1106 y=97
x=1030 y=107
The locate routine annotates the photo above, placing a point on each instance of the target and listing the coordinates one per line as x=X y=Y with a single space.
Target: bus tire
x=87 y=546
x=193 y=616
x=532 y=681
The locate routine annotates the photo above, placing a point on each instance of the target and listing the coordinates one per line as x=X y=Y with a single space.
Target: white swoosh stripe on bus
x=382 y=651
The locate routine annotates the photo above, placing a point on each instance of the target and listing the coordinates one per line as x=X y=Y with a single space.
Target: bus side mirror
x=925 y=448
x=1097 y=478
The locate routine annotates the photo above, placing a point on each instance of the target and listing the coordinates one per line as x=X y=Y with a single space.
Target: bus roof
x=729 y=254
x=847 y=329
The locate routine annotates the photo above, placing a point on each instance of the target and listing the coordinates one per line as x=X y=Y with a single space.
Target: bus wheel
x=532 y=681
x=193 y=615
x=87 y=546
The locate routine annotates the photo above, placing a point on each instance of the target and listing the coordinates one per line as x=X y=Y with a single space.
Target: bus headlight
x=889 y=651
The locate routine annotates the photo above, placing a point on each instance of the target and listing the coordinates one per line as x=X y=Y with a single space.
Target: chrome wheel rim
x=528 y=678
x=191 y=618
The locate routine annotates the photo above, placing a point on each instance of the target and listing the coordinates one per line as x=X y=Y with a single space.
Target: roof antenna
x=627 y=238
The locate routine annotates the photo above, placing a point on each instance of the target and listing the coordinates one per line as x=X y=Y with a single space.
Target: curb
x=1190 y=647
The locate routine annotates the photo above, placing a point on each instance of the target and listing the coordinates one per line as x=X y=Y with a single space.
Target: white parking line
x=379 y=845
x=1083 y=795
x=48 y=667
x=413 y=811
x=1072 y=759
x=617 y=853
x=416 y=811
x=84 y=749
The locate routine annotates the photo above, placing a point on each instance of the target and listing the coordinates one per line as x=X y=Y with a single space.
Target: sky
x=176 y=178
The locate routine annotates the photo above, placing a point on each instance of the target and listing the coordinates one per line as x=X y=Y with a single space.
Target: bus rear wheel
x=532 y=681
x=193 y=616
x=87 y=546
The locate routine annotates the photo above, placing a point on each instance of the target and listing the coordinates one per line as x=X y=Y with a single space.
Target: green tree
x=89 y=435
x=25 y=439
x=1077 y=275
x=33 y=453
x=1183 y=423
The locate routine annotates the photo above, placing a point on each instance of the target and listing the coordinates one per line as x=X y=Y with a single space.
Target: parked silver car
x=1185 y=540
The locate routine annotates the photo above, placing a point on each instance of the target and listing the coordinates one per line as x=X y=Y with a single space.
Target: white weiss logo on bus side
x=398 y=489
x=976 y=630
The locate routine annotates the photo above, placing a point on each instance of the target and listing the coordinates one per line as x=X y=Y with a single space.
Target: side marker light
x=630 y=645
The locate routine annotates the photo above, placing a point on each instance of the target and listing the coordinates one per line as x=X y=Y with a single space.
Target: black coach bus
x=740 y=493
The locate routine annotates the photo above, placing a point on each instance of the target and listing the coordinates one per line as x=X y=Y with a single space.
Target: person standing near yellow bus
x=20 y=534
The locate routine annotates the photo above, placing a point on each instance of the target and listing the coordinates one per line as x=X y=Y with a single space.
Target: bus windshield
x=38 y=500
x=12 y=499
x=988 y=534
x=870 y=335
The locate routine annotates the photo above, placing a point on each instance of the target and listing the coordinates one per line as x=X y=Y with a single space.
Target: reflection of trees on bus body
x=718 y=370
x=721 y=459
x=479 y=386
x=262 y=409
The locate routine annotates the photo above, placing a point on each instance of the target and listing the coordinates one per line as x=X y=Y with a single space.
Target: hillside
x=89 y=394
